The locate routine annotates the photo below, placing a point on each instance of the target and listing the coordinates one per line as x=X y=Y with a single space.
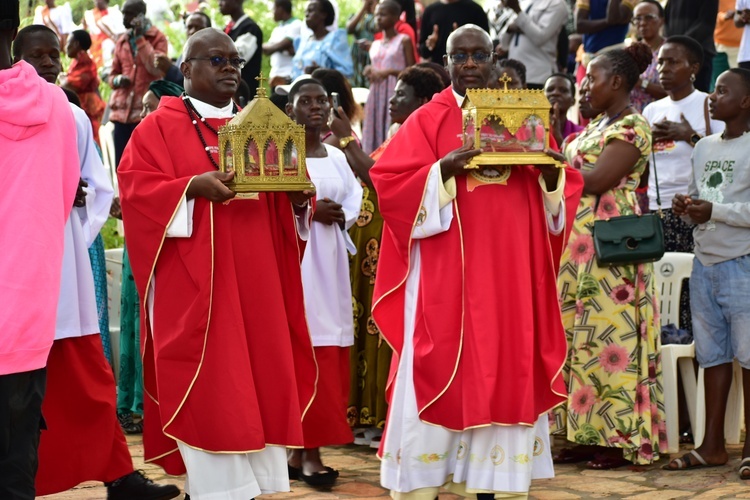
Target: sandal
x=606 y=462
x=572 y=456
x=320 y=479
x=692 y=460
x=744 y=471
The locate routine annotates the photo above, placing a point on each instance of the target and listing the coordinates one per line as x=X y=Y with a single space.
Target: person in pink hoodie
x=39 y=173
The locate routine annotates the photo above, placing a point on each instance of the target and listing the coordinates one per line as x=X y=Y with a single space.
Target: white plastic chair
x=113 y=262
x=360 y=95
x=669 y=273
x=734 y=420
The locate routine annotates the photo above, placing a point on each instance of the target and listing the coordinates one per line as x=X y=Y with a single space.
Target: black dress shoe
x=320 y=479
x=136 y=485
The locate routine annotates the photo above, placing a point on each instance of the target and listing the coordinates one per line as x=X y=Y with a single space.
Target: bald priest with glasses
x=466 y=295
x=228 y=365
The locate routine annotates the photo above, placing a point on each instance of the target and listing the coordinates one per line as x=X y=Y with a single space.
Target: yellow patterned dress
x=613 y=372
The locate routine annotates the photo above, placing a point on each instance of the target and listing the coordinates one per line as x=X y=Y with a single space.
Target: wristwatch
x=344 y=142
x=694 y=139
x=644 y=83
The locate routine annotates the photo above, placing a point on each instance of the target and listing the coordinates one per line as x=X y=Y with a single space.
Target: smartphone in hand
x=335 y=102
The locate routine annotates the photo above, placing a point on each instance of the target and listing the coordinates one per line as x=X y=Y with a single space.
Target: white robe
x=419 y=456
x=325 y=265
x=76 y=308
x=61 y=16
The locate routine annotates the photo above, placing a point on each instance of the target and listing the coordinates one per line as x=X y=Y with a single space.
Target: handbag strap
x=656 y=182
x=705 y=117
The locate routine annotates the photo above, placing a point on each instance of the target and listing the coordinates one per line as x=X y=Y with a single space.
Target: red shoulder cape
x=489 y=340
x=229 y=365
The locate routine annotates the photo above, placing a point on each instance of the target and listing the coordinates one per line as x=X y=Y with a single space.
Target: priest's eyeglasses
x=220 y=61
x=477 y=57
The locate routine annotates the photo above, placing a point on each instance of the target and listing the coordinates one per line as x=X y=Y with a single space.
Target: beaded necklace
x=195 y=117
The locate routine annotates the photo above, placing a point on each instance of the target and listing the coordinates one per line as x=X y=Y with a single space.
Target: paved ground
x=360 y=479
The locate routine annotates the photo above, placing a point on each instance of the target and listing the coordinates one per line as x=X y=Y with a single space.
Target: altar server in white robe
x=326 y=283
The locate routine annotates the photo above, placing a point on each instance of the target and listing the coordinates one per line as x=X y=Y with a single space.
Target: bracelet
x=116 y=80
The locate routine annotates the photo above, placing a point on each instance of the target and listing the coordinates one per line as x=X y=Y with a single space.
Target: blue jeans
x=720 y=303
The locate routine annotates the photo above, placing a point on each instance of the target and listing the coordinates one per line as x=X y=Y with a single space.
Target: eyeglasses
x=477 y=57
x=220 y=61
x=643 y=19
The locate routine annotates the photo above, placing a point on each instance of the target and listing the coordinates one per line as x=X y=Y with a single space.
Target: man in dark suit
x=248 y=38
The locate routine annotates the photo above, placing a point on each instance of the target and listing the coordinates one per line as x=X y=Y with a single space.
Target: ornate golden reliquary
x=264 y=148
x=511 y=127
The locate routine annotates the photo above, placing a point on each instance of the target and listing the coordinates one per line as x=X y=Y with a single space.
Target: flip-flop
x=744 y=471
x=692 y=460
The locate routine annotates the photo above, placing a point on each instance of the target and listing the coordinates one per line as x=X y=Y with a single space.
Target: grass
x=111 y=235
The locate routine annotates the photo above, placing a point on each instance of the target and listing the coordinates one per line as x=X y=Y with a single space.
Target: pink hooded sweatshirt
x=39 y=173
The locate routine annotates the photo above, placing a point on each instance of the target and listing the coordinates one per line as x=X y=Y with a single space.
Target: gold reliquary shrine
x=264 y=148
x=511 y=127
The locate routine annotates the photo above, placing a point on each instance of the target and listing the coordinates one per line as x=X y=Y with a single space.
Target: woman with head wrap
x=156 y=90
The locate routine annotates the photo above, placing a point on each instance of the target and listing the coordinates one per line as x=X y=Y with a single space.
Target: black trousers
x=122 y=134
x=21 y=420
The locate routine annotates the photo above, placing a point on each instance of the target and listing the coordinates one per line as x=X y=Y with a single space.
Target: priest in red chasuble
x=228 y=364
x=466 y=296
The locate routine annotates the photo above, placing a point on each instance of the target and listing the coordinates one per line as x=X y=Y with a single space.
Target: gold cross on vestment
x=505 y=79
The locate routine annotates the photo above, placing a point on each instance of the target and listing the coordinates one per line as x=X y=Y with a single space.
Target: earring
x=692 y=78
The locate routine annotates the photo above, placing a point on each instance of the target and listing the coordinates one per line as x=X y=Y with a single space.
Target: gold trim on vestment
x=154 y=459
x=238 y=452
x=403 y=281
x=556 y=270
x=463 y=309
x=208 y=322
x=144 y=302
x=304 y=311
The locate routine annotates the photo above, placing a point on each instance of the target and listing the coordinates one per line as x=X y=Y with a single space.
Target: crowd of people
x=454 y=318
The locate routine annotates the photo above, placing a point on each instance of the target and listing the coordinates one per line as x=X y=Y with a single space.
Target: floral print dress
x=613 y=371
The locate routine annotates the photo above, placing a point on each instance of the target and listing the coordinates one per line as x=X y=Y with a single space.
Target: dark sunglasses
x=477 y=57
x=220 y=61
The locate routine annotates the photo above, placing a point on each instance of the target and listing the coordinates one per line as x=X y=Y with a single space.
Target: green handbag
x=630 y=239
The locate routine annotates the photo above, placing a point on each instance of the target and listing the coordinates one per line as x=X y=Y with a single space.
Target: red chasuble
x=489 y=343
x=229 y=364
